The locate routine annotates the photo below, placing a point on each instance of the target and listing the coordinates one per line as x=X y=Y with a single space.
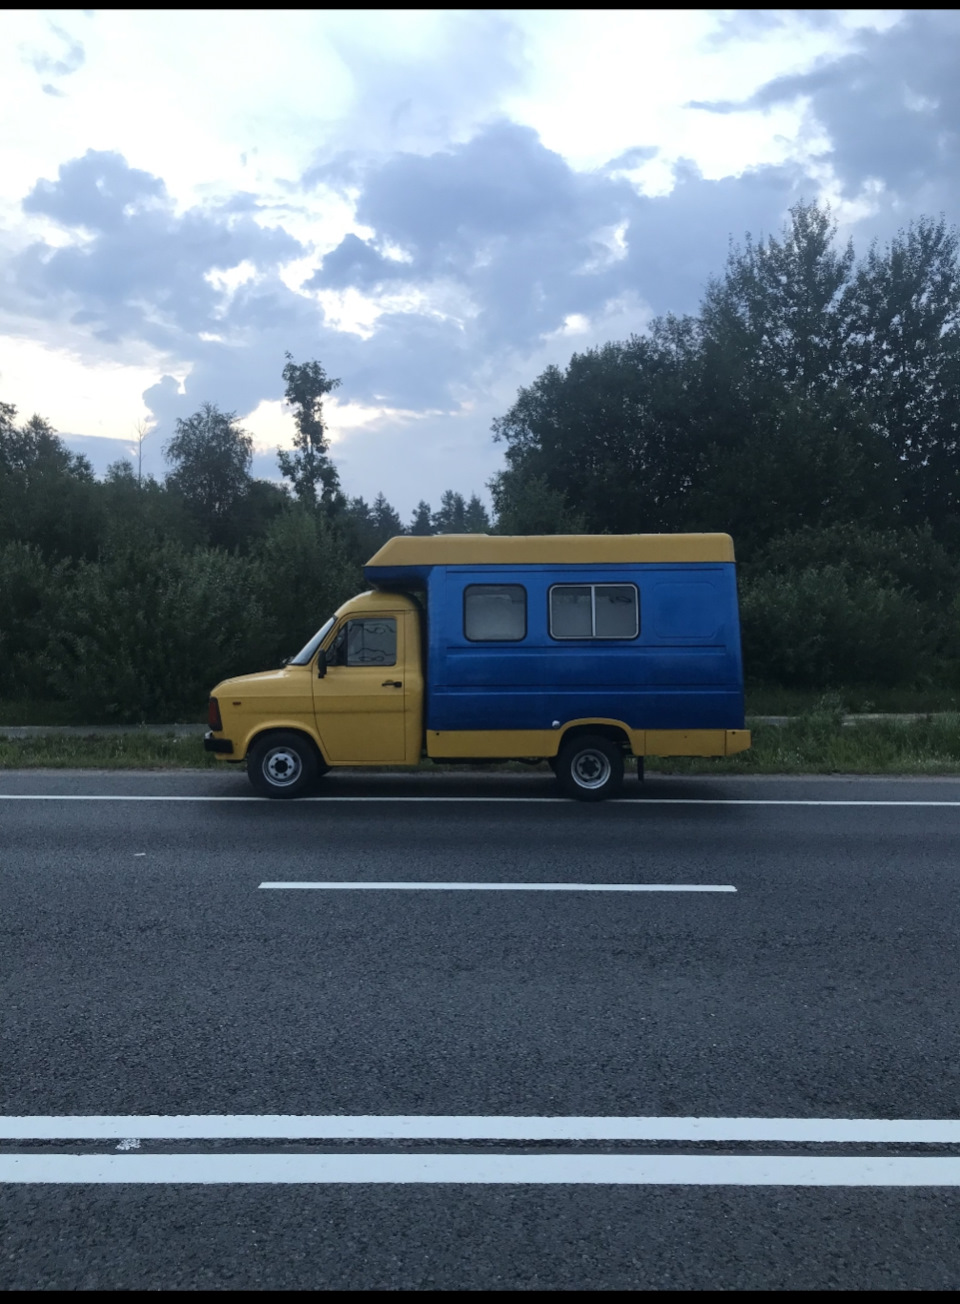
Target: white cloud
x=75 y=394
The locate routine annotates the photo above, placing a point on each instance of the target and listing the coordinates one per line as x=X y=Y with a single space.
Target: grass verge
x=817 y=743
x=821 y=744
x=130 y=751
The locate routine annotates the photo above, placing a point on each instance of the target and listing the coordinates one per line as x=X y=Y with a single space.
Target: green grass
x=814 y=744
x=112 y=752
x=819 y=744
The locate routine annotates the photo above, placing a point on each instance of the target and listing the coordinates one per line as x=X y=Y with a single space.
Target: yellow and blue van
x=581 y=650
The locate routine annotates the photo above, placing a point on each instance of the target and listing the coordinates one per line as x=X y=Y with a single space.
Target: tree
x=528 y=505
x=475 y=519
x=422 y=520
x=309 y=467
x=902 y=356
x=143 y=429
x=302 y=572
x=386 y=520
x=452 y=516
x=47 y=494
x=611 y=440
x=751 y=416
x=211 y=456
x=779 y=305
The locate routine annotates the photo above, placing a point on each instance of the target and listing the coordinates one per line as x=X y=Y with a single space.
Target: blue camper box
x=631 y=637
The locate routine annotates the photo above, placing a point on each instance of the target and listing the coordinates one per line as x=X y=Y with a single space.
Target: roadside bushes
x=829 y=625
x=144 y=632
x=848 y=606
x=31 y=589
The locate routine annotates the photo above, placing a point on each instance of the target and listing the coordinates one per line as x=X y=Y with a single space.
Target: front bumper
x=211 y=743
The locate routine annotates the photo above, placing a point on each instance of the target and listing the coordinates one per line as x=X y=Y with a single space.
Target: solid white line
x=629 y=1170
x=474 y=1127
x=500 y=887
x=634 y=802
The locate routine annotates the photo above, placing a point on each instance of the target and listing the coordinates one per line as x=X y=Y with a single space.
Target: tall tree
x=779 y=305
x=475 y=518
x=309 y=467
x=422 y=520
x=47 y=494
x=211 y=457
x=902 y=357
x=386 y=520
x=451 y=517
x=609 y=440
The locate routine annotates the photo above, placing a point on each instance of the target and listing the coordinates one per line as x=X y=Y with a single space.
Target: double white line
x=479 y=1168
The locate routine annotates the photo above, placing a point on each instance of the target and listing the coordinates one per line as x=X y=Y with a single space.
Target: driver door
x=360 y=702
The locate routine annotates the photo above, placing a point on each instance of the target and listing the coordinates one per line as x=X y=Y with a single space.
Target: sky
x=435 y=204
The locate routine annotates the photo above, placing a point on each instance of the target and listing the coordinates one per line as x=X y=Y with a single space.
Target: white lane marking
x=500 y=887
x=635 y=802
x=628 y=1170
x=474 y=1127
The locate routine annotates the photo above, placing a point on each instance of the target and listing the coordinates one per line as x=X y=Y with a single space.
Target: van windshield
x=307 y=651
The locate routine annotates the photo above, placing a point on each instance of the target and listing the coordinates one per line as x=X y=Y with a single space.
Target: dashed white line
x=498 y=887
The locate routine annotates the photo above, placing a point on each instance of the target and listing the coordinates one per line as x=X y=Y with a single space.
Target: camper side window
x=494 y=613
x=594 y=611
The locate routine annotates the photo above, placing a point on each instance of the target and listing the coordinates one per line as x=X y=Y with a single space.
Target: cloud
x=891 y=108
x=501 y=216
x=136 y=267
x=631 y=158
x=423 y=78
x=70 y=57
x=738 y=24
x=356 y=263
x=532 y=241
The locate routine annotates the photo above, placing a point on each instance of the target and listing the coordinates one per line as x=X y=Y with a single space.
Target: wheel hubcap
x=282 y=767
x=591 y=769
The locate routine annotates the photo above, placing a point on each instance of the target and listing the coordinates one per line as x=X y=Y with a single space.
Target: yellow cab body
x=365 y=710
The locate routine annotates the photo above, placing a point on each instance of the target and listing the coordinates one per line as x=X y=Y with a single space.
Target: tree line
x=810 y=407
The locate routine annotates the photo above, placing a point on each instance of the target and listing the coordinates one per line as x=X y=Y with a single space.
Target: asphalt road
x=144 y=971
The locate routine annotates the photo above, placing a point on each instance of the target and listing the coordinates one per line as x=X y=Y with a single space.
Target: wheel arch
x=260 y=734
x=615 y=733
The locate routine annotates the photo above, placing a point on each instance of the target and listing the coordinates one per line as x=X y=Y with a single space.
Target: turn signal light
x=213 y=715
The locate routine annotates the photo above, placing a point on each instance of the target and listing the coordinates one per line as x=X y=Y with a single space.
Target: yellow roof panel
x=549 y=549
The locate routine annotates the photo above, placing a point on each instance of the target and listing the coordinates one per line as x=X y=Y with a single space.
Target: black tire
x=283 y=765
x=590 y=768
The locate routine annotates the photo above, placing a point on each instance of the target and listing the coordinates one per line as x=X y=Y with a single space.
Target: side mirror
x=321 y=663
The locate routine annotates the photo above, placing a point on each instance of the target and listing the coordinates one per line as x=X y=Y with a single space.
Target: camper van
x=584 y=651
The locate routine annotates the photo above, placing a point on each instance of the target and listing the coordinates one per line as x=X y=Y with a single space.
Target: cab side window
x=367 y=643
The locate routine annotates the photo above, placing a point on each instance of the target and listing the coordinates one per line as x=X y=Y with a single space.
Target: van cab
x=581 y=650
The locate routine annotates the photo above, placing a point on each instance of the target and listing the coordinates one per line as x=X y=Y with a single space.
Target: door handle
x=392 y=683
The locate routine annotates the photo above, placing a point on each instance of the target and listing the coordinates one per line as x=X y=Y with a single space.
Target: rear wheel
x=590 y=768
x=283 y=765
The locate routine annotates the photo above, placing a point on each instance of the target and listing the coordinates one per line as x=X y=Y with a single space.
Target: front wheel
x=590 y=768
x=283 y=765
